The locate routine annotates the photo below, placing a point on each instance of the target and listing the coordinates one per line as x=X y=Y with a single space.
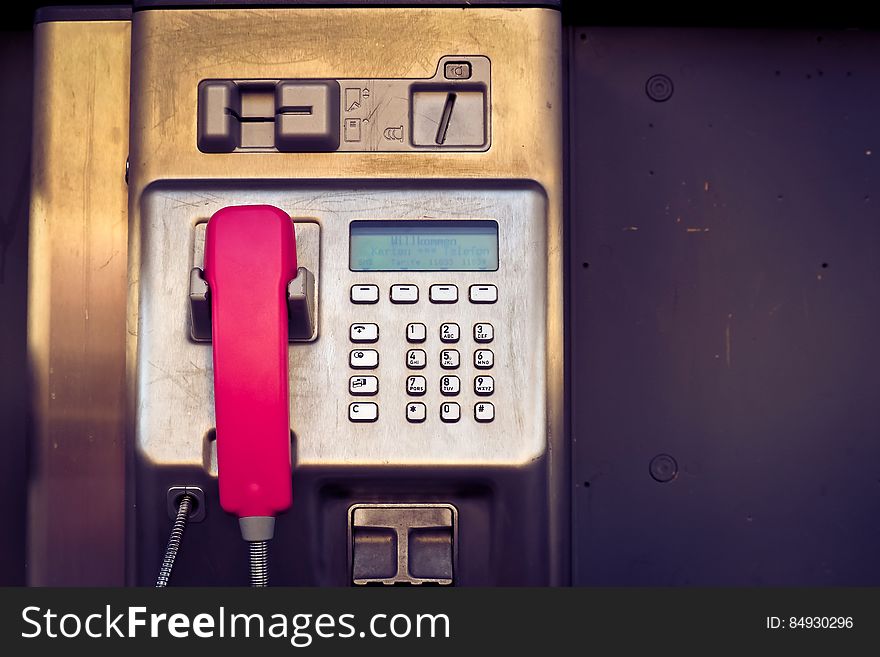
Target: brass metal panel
x=174 y=50
x=77 y=291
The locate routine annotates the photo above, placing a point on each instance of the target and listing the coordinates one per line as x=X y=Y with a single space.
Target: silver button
x=364 y=293
x=484 y=412
x=483 y=293
x=450 y=385
x=450 y=412
x=416 y=385
x=484 y=332
x=449 y=359
x=443 y=294
x=416 y=359
x=364 y=359
x=416 y=332
x=484 y=359
x=363 y=385
x=363 y=412
x=484 y=385
x=404 y=293
x=364 y=332
x=450 y=333
x=457 y=70
x=416 y=412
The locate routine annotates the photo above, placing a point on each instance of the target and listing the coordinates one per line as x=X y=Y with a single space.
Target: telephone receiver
x=250 y=256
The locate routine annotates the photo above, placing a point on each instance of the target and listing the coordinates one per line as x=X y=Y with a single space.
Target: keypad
x=442 y=353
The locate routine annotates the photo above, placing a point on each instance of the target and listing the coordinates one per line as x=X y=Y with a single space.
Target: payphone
x=344 y=288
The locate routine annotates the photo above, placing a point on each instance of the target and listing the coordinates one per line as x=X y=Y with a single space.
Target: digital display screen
x=424 y=246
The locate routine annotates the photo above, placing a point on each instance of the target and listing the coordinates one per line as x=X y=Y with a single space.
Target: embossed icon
x=352 y=131
x=393 y=133
x=352 y=98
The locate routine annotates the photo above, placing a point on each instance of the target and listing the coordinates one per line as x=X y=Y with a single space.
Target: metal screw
x=659 y=88
x=663 y=468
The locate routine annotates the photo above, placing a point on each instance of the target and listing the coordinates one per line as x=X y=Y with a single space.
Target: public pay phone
x=344 y=296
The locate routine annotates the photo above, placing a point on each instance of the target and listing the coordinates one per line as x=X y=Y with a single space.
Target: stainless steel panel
x=174 y=378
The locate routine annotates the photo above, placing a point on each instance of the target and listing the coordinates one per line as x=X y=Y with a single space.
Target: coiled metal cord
x=259 y=563
x=183 y=511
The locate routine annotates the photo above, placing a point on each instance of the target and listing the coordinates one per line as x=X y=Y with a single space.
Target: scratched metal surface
x=724 y=295
x=174 y=373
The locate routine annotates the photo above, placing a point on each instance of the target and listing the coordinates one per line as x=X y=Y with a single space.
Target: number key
x=450 y=385
x=484 y=385
x=416 y=359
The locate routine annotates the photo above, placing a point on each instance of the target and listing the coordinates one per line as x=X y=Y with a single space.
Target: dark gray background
x=16 y=62
x=724 y=290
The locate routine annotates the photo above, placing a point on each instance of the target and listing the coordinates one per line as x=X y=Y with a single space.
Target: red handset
x=250 y=256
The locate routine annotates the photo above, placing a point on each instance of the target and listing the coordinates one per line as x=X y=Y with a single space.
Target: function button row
x=445 y=293
x=418 y=412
